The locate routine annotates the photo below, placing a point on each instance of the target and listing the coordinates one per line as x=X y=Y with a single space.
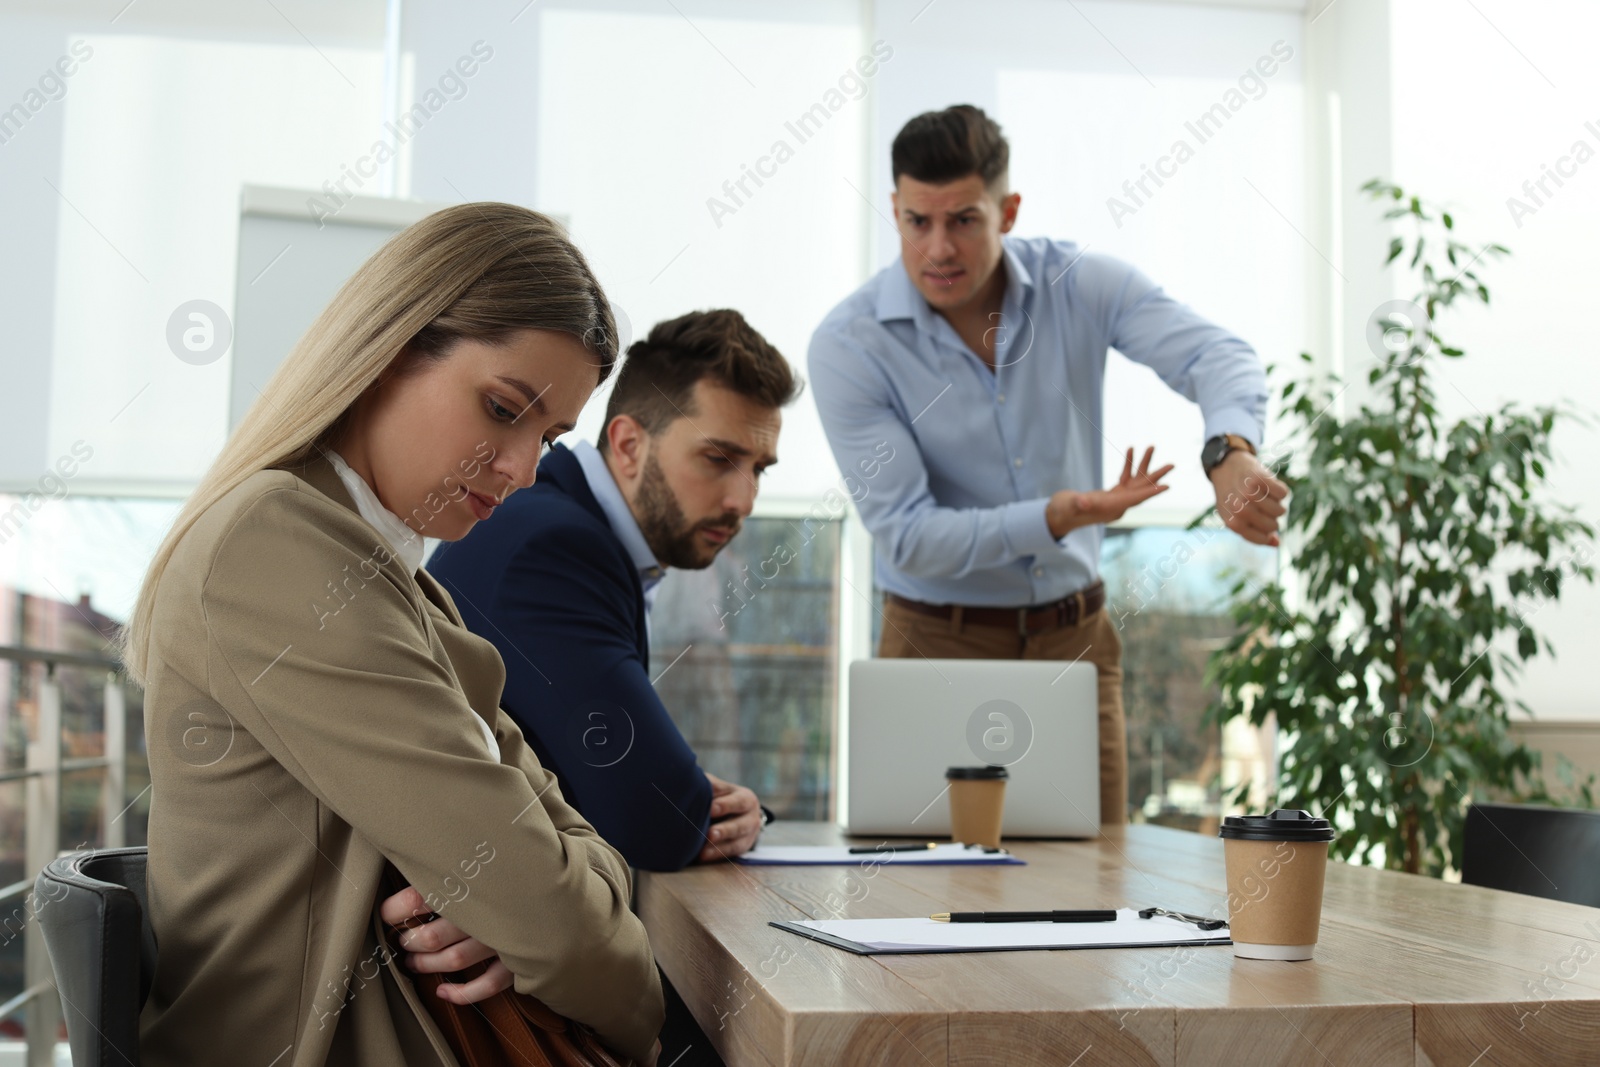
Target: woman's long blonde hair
x=478 y=271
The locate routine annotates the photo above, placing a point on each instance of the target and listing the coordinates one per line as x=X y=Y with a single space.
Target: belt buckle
x=1022 y=620
x=1065 y=611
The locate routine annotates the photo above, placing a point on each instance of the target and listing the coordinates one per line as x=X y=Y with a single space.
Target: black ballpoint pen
x=866 y=850
x=1091 y=916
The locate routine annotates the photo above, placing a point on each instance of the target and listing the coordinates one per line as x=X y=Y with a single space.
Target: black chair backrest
x=1544 y=852
x=93 y=910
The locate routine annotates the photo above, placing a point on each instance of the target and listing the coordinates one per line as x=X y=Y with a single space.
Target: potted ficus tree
x=1421 y=551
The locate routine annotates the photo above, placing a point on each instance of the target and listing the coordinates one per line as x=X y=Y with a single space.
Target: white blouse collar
x=405 y=542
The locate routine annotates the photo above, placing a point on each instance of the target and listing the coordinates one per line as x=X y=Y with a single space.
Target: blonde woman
x=315 y=711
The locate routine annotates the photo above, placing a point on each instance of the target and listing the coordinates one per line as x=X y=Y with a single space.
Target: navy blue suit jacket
x=552 y=586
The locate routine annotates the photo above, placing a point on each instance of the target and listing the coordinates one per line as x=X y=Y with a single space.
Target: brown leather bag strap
x=509 y=1028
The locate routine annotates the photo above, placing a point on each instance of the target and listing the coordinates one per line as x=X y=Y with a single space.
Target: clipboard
x=883 y=937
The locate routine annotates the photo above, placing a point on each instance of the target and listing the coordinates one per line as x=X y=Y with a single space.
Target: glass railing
x=67 y=776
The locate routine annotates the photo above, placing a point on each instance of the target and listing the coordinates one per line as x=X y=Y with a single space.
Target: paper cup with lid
x=1276 y=867
x=977 y=804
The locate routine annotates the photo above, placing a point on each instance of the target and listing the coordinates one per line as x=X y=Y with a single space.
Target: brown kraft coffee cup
x=1276 y=865
x=977 y=804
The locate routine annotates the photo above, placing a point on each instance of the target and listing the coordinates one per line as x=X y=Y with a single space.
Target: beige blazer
x=309 y=715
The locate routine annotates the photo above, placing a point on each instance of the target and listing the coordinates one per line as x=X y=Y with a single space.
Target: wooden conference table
x=1408 y=970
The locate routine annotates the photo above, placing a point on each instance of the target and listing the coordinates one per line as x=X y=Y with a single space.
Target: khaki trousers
x=908 y=634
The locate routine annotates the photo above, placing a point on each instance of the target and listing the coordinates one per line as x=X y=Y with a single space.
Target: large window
x=1167 y=591
x=726 y=183
x=744 y=655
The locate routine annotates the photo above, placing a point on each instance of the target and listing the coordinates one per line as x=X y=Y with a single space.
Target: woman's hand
x=442 y=947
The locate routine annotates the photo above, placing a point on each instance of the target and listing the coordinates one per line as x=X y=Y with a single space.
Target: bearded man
x=562 y=578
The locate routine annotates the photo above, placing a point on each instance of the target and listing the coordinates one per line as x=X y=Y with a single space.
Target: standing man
x=562 y=577
x=981 y=359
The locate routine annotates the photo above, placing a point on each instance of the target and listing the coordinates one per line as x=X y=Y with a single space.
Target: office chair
x=1544 y=852
x=92 y=909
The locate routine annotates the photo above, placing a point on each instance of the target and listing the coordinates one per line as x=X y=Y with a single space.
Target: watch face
x=1214 y=452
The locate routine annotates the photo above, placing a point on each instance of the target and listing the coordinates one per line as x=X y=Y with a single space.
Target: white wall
x=30 y=159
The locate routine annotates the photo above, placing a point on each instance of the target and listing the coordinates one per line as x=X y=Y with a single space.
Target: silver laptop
x=910 y=719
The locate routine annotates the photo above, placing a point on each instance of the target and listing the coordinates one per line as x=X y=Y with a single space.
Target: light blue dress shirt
x=957 y=512
x=620 y=517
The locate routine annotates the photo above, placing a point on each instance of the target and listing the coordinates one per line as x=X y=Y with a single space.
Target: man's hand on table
x=1249 y=498
x=1069 y=509
x=442 y=947
x=735 y=821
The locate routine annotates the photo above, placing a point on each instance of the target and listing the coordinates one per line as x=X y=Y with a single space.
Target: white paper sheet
x=925 y=935
x=841 y=855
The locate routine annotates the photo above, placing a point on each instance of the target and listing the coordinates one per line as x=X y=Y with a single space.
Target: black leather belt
x=1036 y=618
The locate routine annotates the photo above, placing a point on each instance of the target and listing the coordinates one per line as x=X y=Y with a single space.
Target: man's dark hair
x=945 y=146
x=657 y=379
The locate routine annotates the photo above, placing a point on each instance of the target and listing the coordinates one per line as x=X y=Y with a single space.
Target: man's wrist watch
x=1217 y=449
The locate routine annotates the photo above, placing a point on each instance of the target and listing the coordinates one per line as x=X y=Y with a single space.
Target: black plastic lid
x=983 y=773
x=1285 y=824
